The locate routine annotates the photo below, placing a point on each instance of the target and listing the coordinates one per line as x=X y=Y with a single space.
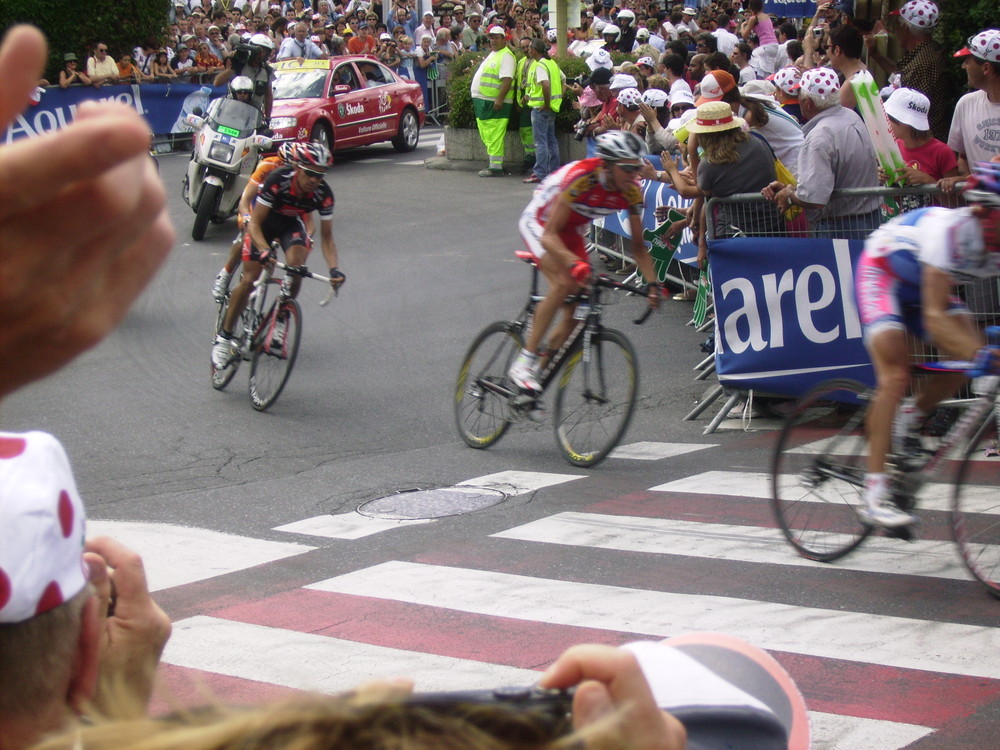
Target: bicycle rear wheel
x=818 y=471
x=275 y=346
x=975 y=512
x=595 y=399
x=482 y=388
x=222 y=375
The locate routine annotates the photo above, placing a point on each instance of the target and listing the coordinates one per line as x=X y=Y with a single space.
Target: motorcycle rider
x=250 y=60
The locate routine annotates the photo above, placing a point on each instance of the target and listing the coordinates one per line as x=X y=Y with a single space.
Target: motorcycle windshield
x=232 y=115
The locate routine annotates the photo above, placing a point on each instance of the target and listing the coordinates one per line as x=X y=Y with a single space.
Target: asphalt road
x=893 y=647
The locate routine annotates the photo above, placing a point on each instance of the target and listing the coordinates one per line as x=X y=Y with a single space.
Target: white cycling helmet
x=611 y=30
x=620 y=144
x=262 y=40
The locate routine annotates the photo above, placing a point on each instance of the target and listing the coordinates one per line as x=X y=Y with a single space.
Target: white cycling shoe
x=522 y=372
x=223 y=351
x=221 y=285
x=886 y=515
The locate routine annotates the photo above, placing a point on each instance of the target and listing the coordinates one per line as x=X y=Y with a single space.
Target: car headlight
x=220 y=152
x=282 y=123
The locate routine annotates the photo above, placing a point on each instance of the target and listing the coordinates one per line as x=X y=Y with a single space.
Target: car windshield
x=235 y=115
x=302 y=84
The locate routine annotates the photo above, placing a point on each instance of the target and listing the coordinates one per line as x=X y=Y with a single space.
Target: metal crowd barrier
x=743 y=215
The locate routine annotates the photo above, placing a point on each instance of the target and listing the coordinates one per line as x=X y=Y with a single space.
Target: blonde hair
x=319 y=722
x=723 y=146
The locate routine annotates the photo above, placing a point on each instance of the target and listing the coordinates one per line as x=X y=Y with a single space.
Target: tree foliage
x=77 y=27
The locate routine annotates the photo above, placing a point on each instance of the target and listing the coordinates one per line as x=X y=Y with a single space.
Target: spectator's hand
x=67 y=283
x=646 y=171
x=612 y=692
x=913 y=176
x=648 y=114
x=947 y=184
x=134 y=629
x=772 y=190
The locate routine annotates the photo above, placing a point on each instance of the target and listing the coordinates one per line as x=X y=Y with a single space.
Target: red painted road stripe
x=831 y=685
x=182 y=687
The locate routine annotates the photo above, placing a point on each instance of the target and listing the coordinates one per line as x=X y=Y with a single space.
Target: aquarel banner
x=786 y=315
x=164 y=105
x=791 y=8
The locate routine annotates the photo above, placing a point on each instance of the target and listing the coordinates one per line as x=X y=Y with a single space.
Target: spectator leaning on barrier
x=975 y=127
x=69 y=74
x=836 y=154
x=102 y=67
x=924 y=65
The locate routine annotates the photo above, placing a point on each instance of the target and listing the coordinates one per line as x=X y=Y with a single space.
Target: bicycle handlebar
x=607 y=282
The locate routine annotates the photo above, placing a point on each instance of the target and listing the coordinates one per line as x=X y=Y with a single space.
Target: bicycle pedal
x=904 y=533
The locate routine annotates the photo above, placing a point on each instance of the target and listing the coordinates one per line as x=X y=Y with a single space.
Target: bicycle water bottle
x=196 y=100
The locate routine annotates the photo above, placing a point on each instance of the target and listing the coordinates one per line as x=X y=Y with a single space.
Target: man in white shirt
x=727 y=39
x=298 y=46
x=102 y=67
x=974 y=134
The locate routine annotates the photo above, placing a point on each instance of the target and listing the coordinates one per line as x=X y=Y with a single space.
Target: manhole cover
x=417 y=504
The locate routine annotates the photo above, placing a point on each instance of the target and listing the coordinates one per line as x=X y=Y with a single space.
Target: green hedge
x=463 y=68
x=77 y=27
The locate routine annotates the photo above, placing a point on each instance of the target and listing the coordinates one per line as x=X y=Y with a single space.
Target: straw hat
x=714 y=117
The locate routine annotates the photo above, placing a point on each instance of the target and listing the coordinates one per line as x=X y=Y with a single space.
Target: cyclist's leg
x=940 y=386
x=297 y=244
x=241 y=292
x=890 y=353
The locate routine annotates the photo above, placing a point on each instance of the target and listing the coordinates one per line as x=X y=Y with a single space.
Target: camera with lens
x=241 y=55
x=549 y=710
x=580 y=130
x=578 y=81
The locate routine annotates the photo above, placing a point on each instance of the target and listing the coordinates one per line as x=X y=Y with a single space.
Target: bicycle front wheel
x=222 y=375
x=975 y=512
x=482 y=388
x=818 y=471
x=275 y=346
x=595 y=398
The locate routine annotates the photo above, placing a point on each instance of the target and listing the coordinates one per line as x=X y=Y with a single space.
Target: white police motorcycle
x=226 y=150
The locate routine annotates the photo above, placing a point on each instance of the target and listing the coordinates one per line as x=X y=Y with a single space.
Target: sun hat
x=789 y=79
x=714 y=117
x=922 y=14
x=496 y=30
x=681 y=96
x=647 y=61
x=985 y=45
x=42 y=522
x=588 y=98
x=820 y=81
x=600 y=58
x=623 y=81
x=629 y=97
x=653 y=97
x=909 y=107
x=70 y=57
x=689 y=11
x=714 y=85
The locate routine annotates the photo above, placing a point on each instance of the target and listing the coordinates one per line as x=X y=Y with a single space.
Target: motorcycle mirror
x=267 y=132
x=198 y=111
x=262 y=142
x=194 y=121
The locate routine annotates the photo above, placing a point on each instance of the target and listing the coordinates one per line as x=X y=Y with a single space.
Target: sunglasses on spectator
x=102 y=49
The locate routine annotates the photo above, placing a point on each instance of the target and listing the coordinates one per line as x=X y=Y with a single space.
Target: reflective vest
x=489 y=79
x=536 y=97
x=520 y=81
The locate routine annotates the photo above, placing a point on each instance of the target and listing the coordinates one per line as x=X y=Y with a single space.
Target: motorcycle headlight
x=220 y=152
x=282 y=123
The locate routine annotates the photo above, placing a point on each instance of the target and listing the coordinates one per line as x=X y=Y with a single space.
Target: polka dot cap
x=788 y=79
x=985 y=45
x=922 y=14
x=629 y=97
x=820 y=81
x=42 y=524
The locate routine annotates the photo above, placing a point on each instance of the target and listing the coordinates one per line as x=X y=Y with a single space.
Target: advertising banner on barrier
x=786 y=316
x=164 y=105
x=791 y=8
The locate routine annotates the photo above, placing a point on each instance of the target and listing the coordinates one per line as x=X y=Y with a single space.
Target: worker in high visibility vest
x=493 y=98
x=545 y=88
x=521 y=100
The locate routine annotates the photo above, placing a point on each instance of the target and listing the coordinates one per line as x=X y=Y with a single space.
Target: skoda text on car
x=345 y=102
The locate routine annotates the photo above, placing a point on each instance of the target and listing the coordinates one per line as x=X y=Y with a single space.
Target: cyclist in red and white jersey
x=553 y=227
x=288 y=195
x=905 y=281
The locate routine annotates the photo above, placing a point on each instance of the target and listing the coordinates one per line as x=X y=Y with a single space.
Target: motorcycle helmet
x=611 y=30
x=263 y=41
x=240 y=85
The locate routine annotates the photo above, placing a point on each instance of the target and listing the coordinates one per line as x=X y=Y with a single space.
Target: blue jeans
x=543 y=126
x=856 y=227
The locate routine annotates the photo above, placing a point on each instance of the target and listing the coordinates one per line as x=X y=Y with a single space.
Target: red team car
x=345 y=102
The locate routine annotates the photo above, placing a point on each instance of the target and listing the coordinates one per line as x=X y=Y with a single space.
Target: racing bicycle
x=595 y=371
x=819 y=462
x=269 y=340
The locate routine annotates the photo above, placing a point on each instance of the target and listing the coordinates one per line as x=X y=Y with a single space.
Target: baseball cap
x=714 y=85
x=623 y=81
x=629 y=97
x=552 y=35
x=760 y=90
x=496 y=30
x=428 y=13
x=42 y=526
x=789 y=79
x=642 y=34
x=385 y=37
x=474 y=14
x=181 y=47
x=681 y=97
x=363 y=25
x=647 y=61
x=600 y=77
x=909 y=107
x=820 y=81
x=653 y=97
x=923 y=14
x=985 y=45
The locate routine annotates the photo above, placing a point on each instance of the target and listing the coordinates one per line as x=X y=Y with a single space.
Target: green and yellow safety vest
x=489 y=80
x=536 y=97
